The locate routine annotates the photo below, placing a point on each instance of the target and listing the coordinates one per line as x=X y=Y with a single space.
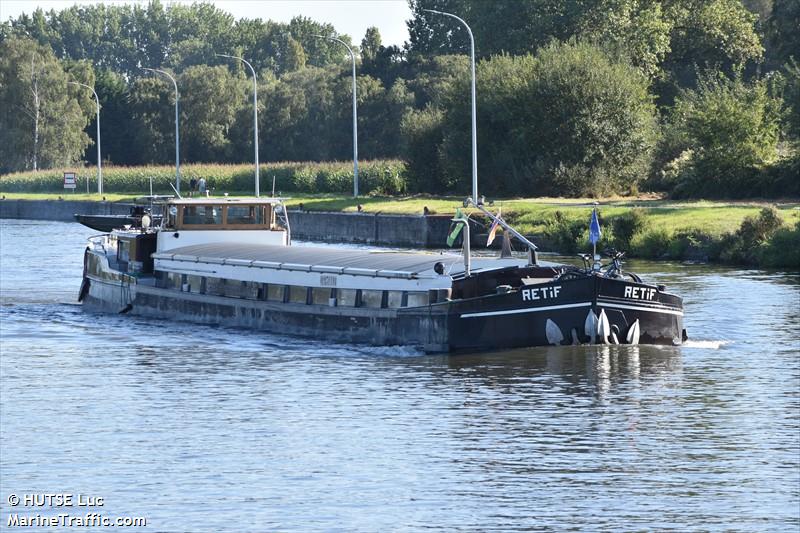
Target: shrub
x=627 y=225
x=653 y=243
x=783 y=250
x=751 y=239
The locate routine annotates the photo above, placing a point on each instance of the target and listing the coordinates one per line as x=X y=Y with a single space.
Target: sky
x=352 y=17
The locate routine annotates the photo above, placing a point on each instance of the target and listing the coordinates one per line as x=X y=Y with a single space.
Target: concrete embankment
x=367 y=228
x=62 y=210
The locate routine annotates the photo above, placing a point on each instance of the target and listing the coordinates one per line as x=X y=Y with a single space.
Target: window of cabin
x=275 y=292
x=215 y=286
x=321 y=295
x=416 y=299
x=394 y=299
x=298 y=295
x=245 y=214
x=346 y=297
x=202 y=215
x=173 y=280
x=370 y=298
x=194 y=283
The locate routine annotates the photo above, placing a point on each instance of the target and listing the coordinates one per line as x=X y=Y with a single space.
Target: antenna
x=273 y=185
x=176 y=191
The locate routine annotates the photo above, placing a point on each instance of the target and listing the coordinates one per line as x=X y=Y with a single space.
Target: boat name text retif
x=641 y=293
x=540 y=293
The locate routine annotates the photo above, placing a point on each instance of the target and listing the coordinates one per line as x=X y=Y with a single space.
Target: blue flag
x=594 y=228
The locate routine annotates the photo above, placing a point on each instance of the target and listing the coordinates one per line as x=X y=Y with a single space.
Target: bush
x=783 y=250
x=627 y=225
x=652 y=243
x=747 y=245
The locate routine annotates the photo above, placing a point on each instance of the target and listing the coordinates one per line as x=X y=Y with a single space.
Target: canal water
x=207 y=429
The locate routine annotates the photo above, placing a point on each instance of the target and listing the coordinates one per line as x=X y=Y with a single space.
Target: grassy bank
x=750 y=233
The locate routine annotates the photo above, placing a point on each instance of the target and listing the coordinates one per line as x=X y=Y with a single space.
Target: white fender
x=603 y=327
x=553 y=333
x=590 y=326
x=633 y=333
x=575 y=340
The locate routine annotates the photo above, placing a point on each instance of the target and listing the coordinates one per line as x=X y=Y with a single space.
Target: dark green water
x=207 y=429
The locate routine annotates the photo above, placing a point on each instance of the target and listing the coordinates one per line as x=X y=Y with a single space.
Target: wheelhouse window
x=223 y=216
x=202 y=215
x=245 y=214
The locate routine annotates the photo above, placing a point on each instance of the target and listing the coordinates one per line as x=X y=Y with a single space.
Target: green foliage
x=42 y=117
x=570 y=121
x=565 y=93
x=422 y=133
x=211 y=96
x=783 y=249
x=748 y=243
x=652 y=243
x=627 y=226
x=375 y=177
x=728 y=130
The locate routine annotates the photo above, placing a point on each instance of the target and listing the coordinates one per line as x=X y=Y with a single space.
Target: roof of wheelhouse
x=225 y=200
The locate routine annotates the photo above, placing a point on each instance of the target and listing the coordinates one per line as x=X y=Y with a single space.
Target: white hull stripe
x=527 y=310
x=639 y=308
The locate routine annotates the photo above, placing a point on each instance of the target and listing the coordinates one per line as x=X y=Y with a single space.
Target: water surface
x=209 y=429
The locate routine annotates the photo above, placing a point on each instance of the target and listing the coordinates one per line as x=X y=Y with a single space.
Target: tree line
x=692 y=97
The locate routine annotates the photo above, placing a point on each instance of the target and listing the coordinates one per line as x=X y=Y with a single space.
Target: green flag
x=455 y=231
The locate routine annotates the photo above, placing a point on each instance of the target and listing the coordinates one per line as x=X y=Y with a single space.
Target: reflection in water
x=195 y=427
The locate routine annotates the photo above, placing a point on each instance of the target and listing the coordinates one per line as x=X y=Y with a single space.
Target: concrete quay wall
x=415 y=231
x=61 y=210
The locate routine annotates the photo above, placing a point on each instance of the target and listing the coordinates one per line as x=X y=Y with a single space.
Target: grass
x=530 y=215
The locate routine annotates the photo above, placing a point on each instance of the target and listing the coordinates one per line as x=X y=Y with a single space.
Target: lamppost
x=255 y=113
x=177 y=134
x=99 y=160
x=474 y=126
x=355 y=112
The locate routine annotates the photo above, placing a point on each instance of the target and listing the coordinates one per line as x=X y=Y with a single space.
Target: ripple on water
x=212 y=429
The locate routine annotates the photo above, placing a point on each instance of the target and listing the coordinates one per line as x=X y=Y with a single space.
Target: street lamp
x=177 y=134
x=99 y=160
x=355 y=112
x=474 y=126
x=255 y=113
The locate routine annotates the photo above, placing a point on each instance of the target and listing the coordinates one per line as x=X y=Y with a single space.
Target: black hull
x=508 y=321
x=512 y=320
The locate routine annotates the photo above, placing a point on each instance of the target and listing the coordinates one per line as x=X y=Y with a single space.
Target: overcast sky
x=352 y=17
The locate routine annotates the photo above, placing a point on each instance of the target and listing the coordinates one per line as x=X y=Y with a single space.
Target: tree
x=783 y=30
x=371 y=45
x=42 y=119
x=210 y=97
x=715 y=34
x=569 y=121
x=728 y=130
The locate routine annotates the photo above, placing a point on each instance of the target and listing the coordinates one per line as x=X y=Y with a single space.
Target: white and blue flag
x=594 y=228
